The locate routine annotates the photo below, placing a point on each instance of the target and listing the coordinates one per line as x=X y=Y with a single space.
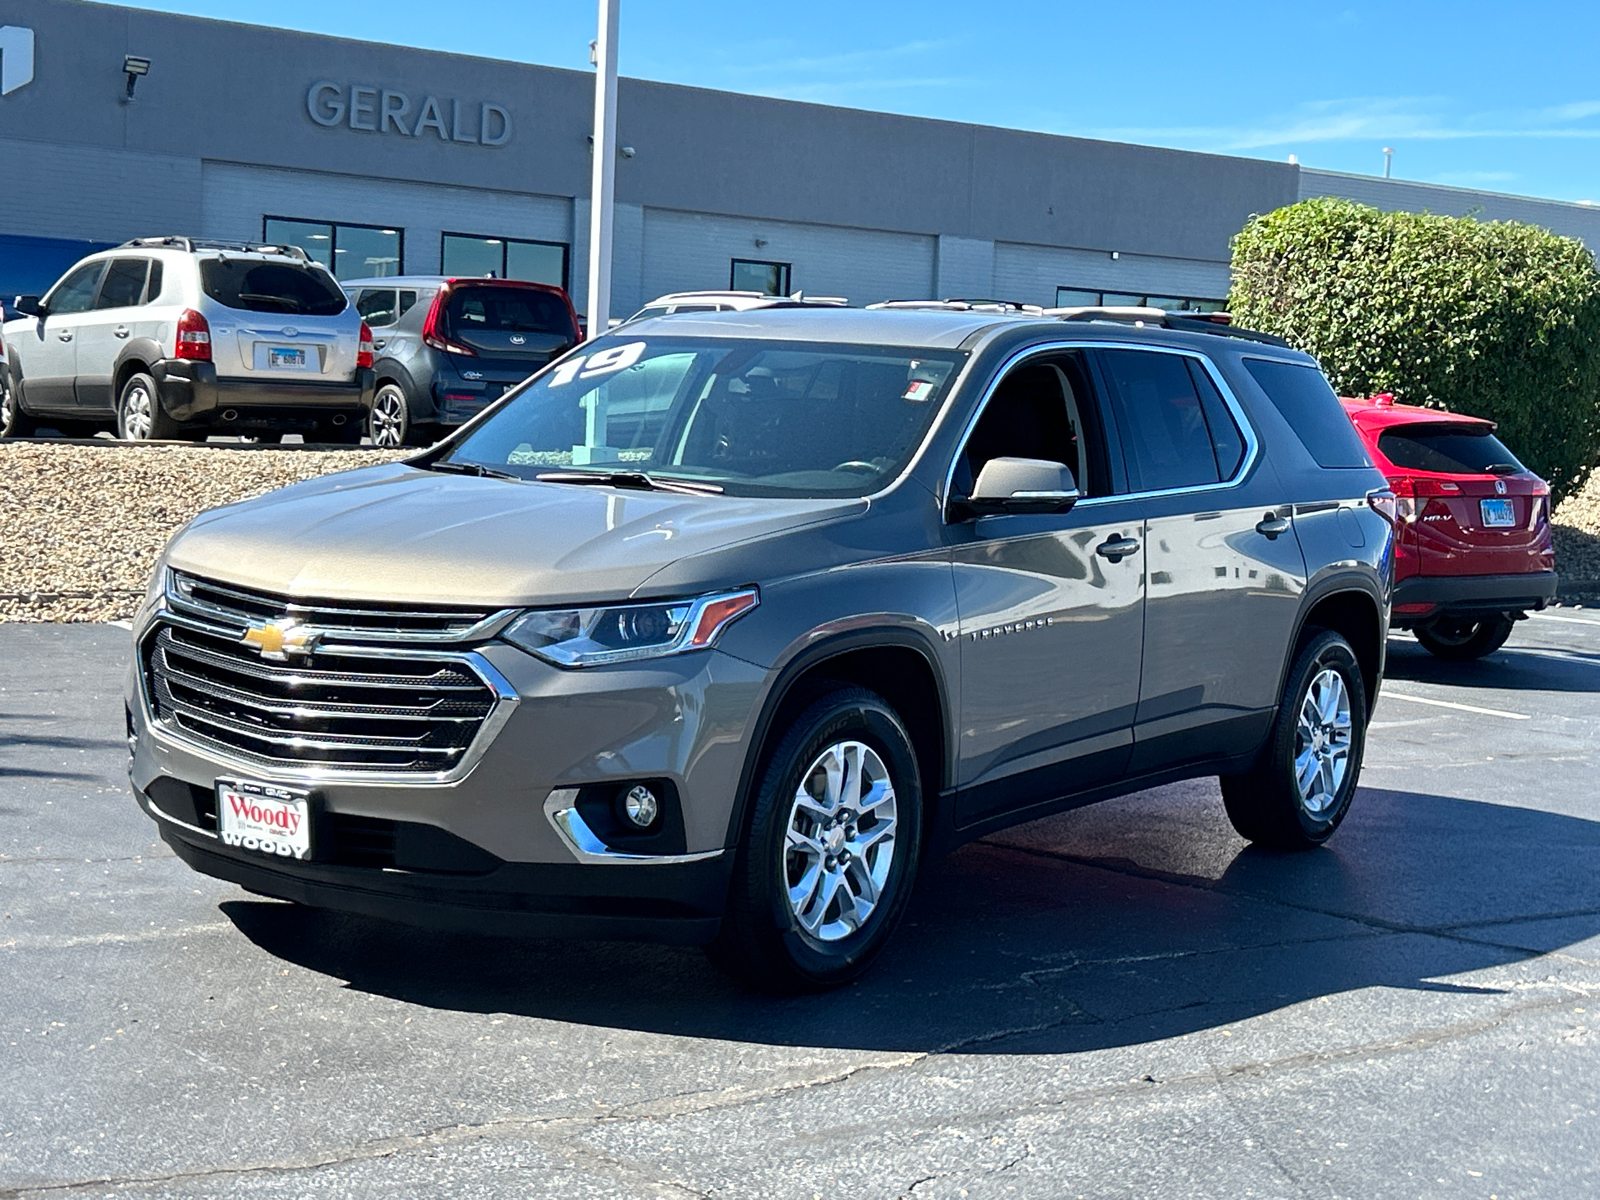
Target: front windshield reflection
x=757 y=418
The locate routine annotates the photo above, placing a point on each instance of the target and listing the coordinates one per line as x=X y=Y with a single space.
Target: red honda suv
x=1473 y=553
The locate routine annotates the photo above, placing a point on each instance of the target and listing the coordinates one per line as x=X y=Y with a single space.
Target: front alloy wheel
x=828 y=856
x=841 y=841
x=390 y=423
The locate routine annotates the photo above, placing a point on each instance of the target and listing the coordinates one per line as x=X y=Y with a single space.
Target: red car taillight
x=364 y=350
x=194 y=337
x=433 y=331
x=1412 y=494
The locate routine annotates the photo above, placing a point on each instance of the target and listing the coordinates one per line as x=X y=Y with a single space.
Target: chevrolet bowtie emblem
x=279 y=640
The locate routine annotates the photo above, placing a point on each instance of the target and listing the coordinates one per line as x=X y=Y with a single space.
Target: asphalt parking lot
x=1119 y=1002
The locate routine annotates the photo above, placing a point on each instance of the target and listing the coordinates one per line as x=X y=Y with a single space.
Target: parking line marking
x=1388 y=693
x=1565 y=620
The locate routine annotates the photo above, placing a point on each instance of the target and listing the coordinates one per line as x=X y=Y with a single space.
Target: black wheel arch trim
x=803 y=663
x=419 y=399
x=142 y=354
x=1341 y=583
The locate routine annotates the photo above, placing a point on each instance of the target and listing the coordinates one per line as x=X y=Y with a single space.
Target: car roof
x=1375 y=413
x=932 y=328
x=433 y=281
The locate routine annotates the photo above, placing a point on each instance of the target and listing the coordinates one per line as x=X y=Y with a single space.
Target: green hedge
x=1499 y=320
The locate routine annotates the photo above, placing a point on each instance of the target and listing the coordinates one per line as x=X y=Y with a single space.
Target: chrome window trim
x=561 y=809
x=506 y=701
x=1229 y=401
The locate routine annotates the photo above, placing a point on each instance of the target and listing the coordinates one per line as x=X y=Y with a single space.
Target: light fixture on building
x=1115 y=256
x=760 y=242
x=133 y=66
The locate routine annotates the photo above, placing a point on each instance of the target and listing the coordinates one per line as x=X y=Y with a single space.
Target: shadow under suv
x=447 y=347
x=721 y=624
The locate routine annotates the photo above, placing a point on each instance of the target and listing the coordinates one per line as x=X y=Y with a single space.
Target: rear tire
x=1300 y=790
x=825 y=868
x=389 y=423
x=140 y=417
x=1463 y=641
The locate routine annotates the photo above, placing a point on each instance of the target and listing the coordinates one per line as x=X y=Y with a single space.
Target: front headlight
x=589 y=637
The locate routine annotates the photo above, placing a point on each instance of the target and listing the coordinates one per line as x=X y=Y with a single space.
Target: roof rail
x=960 y=304
x=1218 y=323
x=192 y=244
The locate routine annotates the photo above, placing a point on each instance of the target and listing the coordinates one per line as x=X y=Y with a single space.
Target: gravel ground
x=82 y=525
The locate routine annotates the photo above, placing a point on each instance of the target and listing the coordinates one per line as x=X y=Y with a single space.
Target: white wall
x=1032 y=274
x=235 y=197
x=693 y=251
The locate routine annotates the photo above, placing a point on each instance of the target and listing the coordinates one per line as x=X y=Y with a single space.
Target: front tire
x=13 y=421
x=1300 y=790
x=829 y=856
x=140 y=417
x=1464 y=641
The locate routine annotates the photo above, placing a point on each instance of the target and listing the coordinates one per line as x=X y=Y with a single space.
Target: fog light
x=641 y=806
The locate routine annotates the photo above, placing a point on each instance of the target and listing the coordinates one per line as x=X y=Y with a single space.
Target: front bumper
x=1465 y=595
x=191 y=391
x=485 y=851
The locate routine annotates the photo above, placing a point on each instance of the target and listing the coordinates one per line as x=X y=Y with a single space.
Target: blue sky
x=1499 y=96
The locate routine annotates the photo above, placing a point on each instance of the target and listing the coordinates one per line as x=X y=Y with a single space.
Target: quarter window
x=752 y=275
x=1306 y=400
x=1170 y=443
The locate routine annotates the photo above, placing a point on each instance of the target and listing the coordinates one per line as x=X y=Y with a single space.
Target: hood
x=398 y=533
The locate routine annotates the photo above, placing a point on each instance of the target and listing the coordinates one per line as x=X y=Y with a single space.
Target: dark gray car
x=720 y=625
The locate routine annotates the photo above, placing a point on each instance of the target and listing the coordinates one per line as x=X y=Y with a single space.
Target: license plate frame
x=286 y=358
x=1497 y=514
x=265 y=818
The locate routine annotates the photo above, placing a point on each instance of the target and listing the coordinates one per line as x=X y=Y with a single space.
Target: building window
x=349 y=251
x=1067 y=297
x=768 y=278
x=503 y=258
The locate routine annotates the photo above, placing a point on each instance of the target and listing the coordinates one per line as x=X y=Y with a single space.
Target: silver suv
x=718 y=626
x=175 y=337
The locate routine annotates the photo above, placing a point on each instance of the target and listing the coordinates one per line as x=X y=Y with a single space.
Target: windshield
x=756 y=418
x=255 y=286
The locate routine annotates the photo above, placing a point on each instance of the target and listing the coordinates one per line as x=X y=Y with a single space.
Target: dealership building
x=377 y=159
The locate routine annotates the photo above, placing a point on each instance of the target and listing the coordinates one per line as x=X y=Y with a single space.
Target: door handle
x=1271 y=525
x=1117 y=548
x=378 y=344
x=65 y=335
x=121 y=331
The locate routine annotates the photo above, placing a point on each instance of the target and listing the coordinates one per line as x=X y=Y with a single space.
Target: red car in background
x=1473 y=552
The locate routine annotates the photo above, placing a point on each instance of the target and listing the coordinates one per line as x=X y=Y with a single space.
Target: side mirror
x=30 y=306
x=1023 y=485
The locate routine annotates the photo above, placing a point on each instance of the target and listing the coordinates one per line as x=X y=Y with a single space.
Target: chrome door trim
x=1229 y=400
x=561 y=809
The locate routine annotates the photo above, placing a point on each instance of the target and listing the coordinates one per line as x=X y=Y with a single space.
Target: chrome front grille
x=364 y=698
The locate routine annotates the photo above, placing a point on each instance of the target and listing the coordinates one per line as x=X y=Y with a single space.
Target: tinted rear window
x=510 y=310
x=254 y=286
x=1306 y=400
x=1452 y=449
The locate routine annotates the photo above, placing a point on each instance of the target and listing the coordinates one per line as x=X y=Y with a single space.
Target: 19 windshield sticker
x=602 y=362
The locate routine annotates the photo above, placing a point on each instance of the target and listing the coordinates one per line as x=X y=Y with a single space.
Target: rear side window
x=1306 y=400
x=271 y=287
x=1453 y=449
x=1164 y=425
x=123 y=285
x=507 y=309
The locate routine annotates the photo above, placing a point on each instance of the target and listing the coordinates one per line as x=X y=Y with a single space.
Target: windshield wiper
x=469 y=468
x=638 y=480
x=1502 y=469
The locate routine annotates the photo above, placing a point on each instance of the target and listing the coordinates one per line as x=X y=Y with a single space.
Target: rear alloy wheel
x=140 y=417
x=1463 y=639
x=1296 y=795
x=389 y=426
x=827 y=864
